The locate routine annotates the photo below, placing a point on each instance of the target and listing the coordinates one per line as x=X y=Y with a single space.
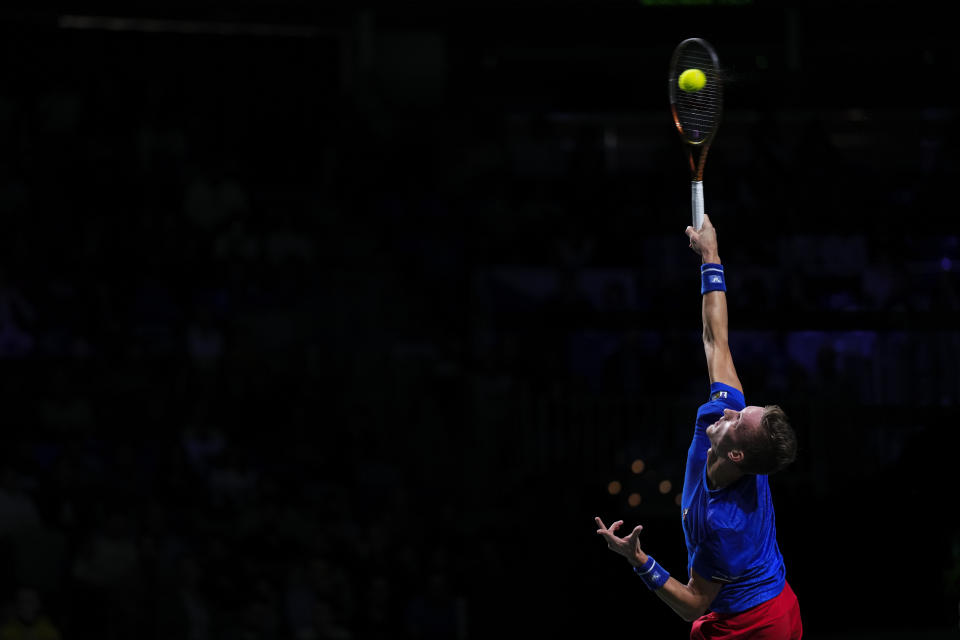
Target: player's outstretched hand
x=704 y=242
x=627 y=546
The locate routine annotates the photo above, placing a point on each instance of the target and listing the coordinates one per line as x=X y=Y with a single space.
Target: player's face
x=733 y=426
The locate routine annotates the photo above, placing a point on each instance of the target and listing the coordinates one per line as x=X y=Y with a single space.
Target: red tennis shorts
x=775 y=619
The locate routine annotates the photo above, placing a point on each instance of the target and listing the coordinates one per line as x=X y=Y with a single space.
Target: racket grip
x=696 y=198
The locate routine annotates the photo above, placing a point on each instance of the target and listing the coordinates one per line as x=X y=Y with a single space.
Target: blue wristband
x=711 y=278
x=652 y=574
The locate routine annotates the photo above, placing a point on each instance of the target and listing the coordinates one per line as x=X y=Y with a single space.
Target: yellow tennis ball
x=692 y=80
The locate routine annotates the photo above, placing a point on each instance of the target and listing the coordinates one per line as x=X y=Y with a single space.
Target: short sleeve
x=726 y=396
x=722 y=397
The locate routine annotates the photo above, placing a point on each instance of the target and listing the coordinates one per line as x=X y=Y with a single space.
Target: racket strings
x=698 y=112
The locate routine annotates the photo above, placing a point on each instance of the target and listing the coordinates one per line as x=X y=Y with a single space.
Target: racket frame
x=703 y=145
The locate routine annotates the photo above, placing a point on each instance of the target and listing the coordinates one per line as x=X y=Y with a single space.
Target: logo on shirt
x=718 y=394
x=684 y=516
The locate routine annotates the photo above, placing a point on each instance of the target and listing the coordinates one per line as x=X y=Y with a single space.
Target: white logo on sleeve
x=715 y=279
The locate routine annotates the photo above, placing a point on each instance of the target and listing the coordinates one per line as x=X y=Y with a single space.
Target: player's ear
x=735 y=456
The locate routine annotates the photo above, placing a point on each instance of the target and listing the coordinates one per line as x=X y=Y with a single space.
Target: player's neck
x=721 y=472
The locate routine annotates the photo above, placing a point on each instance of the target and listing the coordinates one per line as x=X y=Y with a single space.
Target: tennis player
x=735 y=568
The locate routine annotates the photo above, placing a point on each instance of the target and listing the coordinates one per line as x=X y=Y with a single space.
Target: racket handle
x=696 y=198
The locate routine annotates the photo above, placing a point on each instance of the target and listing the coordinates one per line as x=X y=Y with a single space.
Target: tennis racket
x=696 y=112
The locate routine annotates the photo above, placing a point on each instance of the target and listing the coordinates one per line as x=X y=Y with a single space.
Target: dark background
x=338 y=322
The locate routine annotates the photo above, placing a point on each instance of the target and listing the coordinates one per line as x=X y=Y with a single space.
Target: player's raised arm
x=715 y=345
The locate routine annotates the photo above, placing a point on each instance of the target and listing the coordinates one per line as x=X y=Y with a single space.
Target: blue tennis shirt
x=731 y=533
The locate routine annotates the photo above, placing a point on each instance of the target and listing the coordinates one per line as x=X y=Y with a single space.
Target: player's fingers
x=690 y=231
x=600 y=522
x=636 y=530
x=615 y=525
x=609 y=538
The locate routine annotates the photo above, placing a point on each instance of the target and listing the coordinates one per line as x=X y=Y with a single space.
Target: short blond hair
x=773 y=447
